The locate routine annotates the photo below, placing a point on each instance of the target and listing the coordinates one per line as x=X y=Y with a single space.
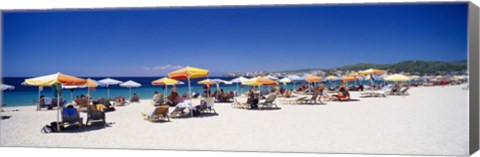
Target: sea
x=27 y=95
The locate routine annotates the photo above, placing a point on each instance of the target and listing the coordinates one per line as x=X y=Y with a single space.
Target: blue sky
x=153 y=42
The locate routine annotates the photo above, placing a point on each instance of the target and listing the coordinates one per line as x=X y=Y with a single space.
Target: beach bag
x=46 y=129
x=196 y=113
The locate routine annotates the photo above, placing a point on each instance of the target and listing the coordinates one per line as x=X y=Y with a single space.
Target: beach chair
x=382 y=93
x=238 y=104
x=160 y=113
x=269 y=102
x=404 y=91
x=312 y=100
x=210 y=102
x=72 y=119
x=159 y=101
x=96 y=115
x=178 y=112
x=297 y=100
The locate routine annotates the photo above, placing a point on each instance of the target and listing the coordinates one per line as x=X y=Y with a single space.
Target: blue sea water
x=25 y=95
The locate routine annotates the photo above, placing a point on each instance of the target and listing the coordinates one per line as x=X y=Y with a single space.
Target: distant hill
x=412 y=67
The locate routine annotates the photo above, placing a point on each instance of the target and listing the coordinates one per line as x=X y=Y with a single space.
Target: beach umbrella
x=285 y=81
x=130 y=84
x=332 y=78
x=312 y=78
x=271 y=77
x=354 y=74
x=166 y=81
x=397 y=78
x=349 y=78
x=7 y=87
x=295 y=78
x=372 y=72
x=238 y=80
x=109 y=82
x=188 y=73
x=56 y=80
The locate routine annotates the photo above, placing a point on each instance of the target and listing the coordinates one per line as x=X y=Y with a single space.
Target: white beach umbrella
x=285 y=80
x=238 y=80
x=108 y=82
x=271 y=77
x=130 y=84
x=7 y=87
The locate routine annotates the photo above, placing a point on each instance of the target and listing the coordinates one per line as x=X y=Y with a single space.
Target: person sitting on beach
x=252 y=99
x=120 y=101
x=173 y=98
x=282 y=90
x=287 y=94
x=69 y=111
x=395 y=88
x=42 y=102
x=156 y=98
x=342 y=94
x=135 y=98
x=76 y=100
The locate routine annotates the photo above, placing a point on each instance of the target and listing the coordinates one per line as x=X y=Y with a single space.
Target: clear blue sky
x=144 y=42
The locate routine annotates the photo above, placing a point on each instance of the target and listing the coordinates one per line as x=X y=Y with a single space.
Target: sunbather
x=135 y=98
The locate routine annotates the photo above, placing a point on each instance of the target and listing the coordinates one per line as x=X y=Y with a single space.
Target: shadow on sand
x=92 y=127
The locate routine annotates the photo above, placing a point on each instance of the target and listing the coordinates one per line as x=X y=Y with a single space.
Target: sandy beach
x=432 y=120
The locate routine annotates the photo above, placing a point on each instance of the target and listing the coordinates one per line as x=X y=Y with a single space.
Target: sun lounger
x=72 y=119
x=382 y=93
x=403 y=91
x=210 y=102
x=160 y=113
x=269 y=102
x=178 y=112
x=295 y=101
x=96 y=115
x=238 y=104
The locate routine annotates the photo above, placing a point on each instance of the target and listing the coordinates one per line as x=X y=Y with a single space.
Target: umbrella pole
x=71 y=95
x=130 y=91
x=58 y=110
x=108 y=92
x=190 y=95
x=38 y=104
x=237 y=91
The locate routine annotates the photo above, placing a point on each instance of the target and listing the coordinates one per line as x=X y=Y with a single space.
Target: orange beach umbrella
x=311 y=78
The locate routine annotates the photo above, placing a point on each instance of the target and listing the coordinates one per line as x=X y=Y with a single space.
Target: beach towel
x=69 y=111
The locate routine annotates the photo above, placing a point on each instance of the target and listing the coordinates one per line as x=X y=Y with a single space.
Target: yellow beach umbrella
x=354 y=74
x=330 y=78
x=397 y=78
x=166 y=81
x=207 y=82
x=372 y=71
x=58 y=80
x=349 y=78
x=257 y=81
x=188 y=73
x=311 y=78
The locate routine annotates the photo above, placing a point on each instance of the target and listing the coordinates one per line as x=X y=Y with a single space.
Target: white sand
x=432 y=120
